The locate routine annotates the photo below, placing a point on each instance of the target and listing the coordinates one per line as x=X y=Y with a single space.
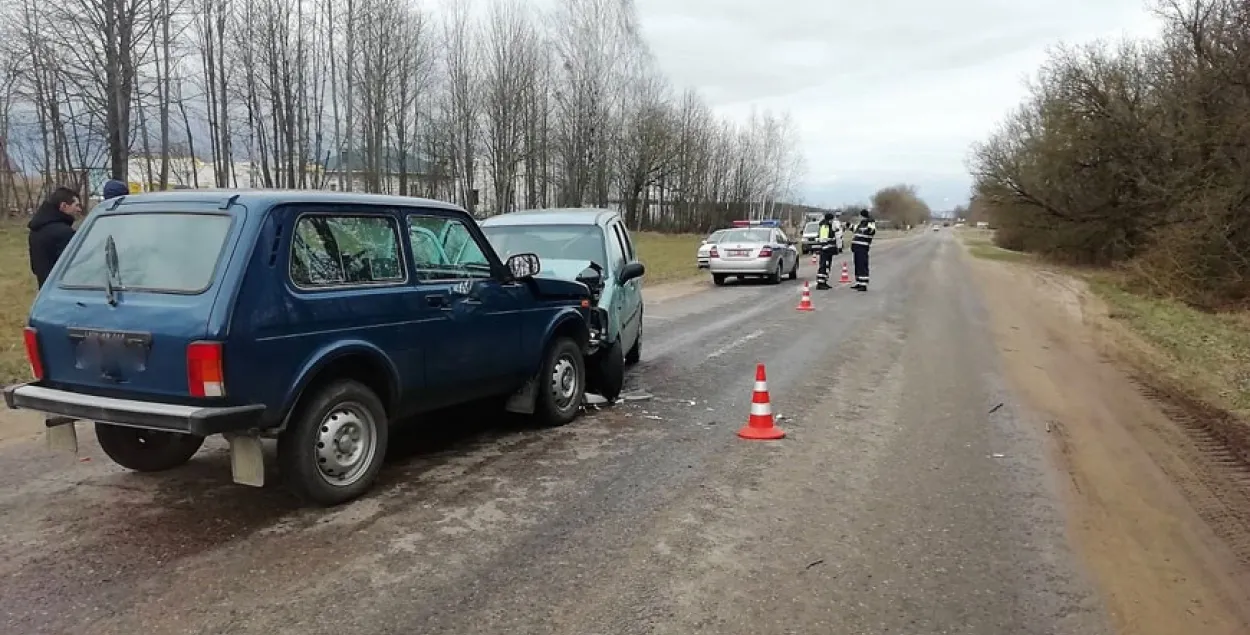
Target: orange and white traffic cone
x=846 y=274
x=760 y=426
x=805 y=302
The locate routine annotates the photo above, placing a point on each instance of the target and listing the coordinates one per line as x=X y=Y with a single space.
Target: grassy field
x=668 y=258
x=1204 y=355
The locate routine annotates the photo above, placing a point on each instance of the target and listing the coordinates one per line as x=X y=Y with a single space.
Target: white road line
x=736 y=343
x=657 y=318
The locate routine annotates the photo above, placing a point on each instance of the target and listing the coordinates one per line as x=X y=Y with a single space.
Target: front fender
x=568 y=320
x=323 y=357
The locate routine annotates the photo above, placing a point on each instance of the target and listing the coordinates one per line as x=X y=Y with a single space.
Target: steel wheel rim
x=347 y=440
x=563 y=384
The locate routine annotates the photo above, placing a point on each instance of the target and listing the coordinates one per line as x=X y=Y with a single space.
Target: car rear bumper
x=748 y=267
x=198 y=420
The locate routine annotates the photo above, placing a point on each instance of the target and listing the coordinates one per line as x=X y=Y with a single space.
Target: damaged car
x=591 y=246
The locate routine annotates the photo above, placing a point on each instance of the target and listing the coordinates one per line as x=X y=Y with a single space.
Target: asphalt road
x=907 y=498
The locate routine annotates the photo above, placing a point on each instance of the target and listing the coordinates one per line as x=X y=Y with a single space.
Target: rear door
x=136 y=289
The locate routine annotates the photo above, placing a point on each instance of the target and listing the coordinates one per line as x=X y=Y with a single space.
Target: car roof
x=553 y=216
x=261 y=198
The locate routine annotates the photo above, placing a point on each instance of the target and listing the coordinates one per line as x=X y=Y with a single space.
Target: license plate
x=739 y=252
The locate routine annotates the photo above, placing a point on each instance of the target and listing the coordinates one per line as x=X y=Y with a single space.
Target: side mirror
x=630 y=271
x=524 y=265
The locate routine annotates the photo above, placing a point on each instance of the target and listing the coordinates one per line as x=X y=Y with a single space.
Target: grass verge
x=980 y=244
x=1203 y=355
x=17 y=287
x=668 y=257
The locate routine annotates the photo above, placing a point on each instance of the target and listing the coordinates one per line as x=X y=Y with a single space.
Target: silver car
x=706 y=247
x=755 y=252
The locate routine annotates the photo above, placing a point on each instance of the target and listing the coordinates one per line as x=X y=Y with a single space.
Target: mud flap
x=522 y=401
x=62 y=434
x=247 y=460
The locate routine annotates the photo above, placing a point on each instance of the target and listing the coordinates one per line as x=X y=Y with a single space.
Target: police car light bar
x=772 y=222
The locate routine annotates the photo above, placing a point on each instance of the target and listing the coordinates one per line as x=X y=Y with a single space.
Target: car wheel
x=561 y=383
x=775 y=277
x=718 y=279
x=634 y=354
x=146 y=450
x=333 y=448
x=606 y=377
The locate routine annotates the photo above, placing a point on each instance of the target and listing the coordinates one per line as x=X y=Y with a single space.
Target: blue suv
x=313 y=317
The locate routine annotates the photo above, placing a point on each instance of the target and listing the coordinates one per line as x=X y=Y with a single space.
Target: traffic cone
x=760 y=426
x=805 y=302
x=846 y=275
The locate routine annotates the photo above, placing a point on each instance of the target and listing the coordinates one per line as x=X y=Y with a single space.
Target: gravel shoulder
x=1159 y=510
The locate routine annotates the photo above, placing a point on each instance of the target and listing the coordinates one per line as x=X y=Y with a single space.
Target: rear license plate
x=739 y=252
x=110 y=352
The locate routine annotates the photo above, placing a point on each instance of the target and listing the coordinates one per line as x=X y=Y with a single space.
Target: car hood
x=562 y=269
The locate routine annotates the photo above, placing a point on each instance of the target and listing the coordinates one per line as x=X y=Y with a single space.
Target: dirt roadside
x=1158 y=511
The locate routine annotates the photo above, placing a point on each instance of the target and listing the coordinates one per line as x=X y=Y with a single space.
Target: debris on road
x=639 y=396
x=995 y=408
x=595 y=400
x=814 y=563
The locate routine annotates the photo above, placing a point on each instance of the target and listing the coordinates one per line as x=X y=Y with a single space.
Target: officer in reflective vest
x=860 y=244
x=826 y=237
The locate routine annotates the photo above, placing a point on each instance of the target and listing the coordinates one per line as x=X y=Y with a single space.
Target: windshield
x=746 y=236
x=810 y=228
x=550 y=242
x=150 y=252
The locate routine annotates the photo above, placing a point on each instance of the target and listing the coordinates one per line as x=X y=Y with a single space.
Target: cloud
x=881 y=91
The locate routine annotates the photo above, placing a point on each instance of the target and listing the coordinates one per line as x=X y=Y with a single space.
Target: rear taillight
x=712 y=253
x=766 y=252
x=32 y=352
x=204 y=370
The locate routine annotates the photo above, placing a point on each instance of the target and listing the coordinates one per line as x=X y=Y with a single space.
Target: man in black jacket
x=51 y=229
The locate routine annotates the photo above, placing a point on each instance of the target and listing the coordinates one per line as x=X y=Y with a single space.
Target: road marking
x=736 y=343
x=657 y=318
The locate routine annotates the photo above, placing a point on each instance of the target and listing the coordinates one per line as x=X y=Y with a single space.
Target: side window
x=444 y=249
x=342 y=250
x=616 y=250
x=630 y=256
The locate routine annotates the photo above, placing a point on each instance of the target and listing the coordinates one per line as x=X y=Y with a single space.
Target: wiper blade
x=112 y=271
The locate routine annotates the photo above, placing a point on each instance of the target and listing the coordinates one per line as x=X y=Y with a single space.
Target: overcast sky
x=882 y=90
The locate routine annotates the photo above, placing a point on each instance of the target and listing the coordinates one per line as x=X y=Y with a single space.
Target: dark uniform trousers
x=826 y=262
x=860 y=255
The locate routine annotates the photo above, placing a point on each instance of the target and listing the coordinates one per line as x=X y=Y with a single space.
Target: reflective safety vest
x=824 y=231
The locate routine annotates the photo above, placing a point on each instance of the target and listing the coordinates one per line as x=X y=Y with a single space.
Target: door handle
x=438 y=301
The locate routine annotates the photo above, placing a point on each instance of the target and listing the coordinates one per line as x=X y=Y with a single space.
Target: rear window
x=811 y=227
x=747 y=236
x=170 y=252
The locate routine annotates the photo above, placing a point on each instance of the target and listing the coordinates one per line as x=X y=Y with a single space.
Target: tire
x=558 y=402
x=718 y=279
x=775 y=277
x=634 y=354
x=794 y=271
x=146 y=450
x=608 y=376
x=342 y=412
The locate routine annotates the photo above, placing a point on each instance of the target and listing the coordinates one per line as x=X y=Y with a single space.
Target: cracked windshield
x=566 y=317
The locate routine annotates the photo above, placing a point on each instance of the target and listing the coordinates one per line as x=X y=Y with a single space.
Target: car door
x=481 y=354
x=791 y=254
x=631 y=292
